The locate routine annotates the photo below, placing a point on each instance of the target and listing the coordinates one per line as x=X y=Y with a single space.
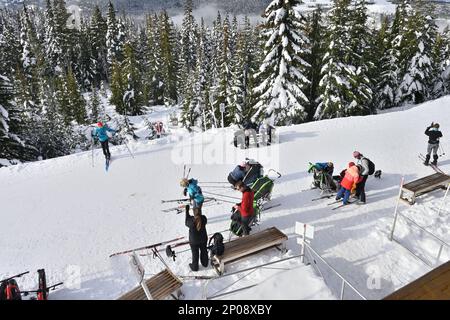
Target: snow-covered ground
x=67 y=216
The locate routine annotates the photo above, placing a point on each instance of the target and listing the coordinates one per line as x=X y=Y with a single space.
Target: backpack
x=371 y=167
x=9 y=290
x=217 y=248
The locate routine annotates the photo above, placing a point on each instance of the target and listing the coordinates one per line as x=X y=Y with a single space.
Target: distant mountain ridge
x=140 y=6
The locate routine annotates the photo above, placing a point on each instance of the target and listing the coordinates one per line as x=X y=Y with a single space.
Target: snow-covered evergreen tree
x=416 y=85
x=316 y=34
x=282 y=73
x=343 y=73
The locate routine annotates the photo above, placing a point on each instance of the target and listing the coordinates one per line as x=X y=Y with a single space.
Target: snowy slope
x=67 y=216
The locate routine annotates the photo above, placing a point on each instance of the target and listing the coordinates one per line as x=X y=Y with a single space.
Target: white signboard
x=222 y=108
x=305 y=230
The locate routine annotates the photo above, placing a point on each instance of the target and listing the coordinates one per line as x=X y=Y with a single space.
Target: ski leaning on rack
x=146 y=247
x=15 y=276
x=43 y=290
x=434 y=167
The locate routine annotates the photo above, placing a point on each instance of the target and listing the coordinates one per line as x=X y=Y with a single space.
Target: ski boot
x=435 y=158
x=427 y=160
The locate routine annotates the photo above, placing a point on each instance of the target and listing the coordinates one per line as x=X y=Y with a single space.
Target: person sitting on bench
x=243 y=212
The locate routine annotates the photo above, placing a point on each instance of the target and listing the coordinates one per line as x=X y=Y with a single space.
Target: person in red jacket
x=243 y=212
x=350 y=179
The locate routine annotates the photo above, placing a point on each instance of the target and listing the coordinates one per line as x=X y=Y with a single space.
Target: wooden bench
x=424 y=185
x=251 y=244
x=161 y=286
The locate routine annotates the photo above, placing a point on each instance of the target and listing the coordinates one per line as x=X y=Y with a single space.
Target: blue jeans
x=343 y=192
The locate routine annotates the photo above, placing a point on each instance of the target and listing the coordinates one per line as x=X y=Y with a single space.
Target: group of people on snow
x=351 y=180
x=242 y=212
x=252 y=129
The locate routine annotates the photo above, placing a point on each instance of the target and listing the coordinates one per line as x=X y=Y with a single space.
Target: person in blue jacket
x=192 y=189
x=101 y=134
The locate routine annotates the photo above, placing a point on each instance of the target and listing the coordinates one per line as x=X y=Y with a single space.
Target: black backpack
x=371 y=167
x=217 y=247
x=9 y=290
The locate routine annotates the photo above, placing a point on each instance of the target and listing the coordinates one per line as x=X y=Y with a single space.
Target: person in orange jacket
x=350 y=179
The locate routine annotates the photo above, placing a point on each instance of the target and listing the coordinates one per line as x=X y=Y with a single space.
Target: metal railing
x=344 y=282
x=442 y=242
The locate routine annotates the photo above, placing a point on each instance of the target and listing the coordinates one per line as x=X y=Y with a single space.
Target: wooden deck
x=161 y=286
x=413 y=189
x=435 y=285
x=245 y=246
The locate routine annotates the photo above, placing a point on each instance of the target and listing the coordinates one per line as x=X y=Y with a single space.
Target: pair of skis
x=152 y=246
x=434 y=167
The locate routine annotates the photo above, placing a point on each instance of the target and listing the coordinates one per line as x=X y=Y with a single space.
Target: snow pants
x=343 y=193
x=432 y=148
x=199 y=251
x=360 y=189
x=105 y=148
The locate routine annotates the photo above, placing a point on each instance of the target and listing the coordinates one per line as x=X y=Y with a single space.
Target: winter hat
x=356 y=154
x=184 y=182
x=351 y=164
x=100 y=124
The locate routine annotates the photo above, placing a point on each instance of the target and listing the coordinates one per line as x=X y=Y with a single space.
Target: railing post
x=439 y=255
x=342 y=289
x=443 y=200
x=396 y=209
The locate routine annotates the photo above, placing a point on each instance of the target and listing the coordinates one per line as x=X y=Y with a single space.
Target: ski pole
x=129 y=151
x=175 y=200
x=146 y=247
x=222 y=195
x=442 y=150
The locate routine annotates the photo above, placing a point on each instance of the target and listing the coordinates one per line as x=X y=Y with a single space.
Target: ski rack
x=15 y=276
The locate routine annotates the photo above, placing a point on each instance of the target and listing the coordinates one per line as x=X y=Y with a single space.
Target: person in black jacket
x=433 y=142
x=198 y=238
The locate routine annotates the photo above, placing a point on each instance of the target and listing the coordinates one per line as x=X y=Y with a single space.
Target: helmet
x=184 y=182
x=436 y=125
x=100 y=124
x=356 y=154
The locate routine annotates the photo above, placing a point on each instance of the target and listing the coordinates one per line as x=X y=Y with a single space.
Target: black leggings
x=199 y=250
x=360 y=192
x=105 y=147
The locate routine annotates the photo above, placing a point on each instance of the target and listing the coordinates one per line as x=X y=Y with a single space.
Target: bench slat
x=160 y=286
x=251 y=244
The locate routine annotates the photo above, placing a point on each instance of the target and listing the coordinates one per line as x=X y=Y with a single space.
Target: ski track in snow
x=67 y=217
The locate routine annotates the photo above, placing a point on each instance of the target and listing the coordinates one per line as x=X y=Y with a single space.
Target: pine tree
x=316 y=35
x=10 y=144
x=113 y=45
x=154 y=61
x=416 y=85
x=133 y=96
x=282 y=73
x=97 y=34
x=118 y=88
x=94 y=105
x=339 y=96
x=75 y=100
x=168 y=60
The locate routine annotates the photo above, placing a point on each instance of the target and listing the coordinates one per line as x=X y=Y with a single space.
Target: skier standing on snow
x=243 y=212
x=348 y=182
x=192 y=189
x=238 y=173
x=101 y=134
x=433 y=142
x=198 y=237
x=364 y=173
